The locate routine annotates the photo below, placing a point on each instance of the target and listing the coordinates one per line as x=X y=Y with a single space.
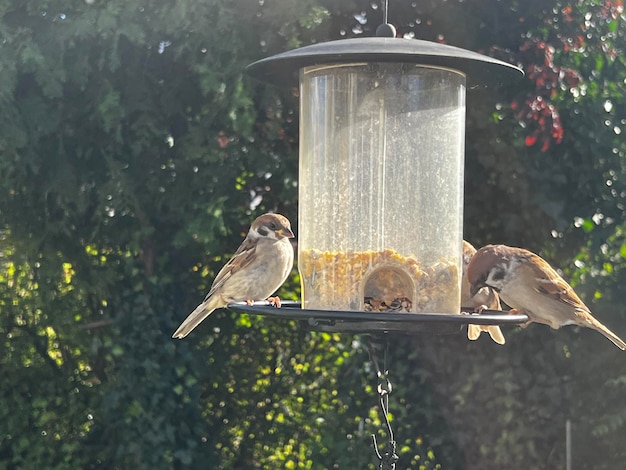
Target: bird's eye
x=273 y=226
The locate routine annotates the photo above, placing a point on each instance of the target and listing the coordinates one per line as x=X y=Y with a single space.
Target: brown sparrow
x=529 y=285
x=257 y=269
x=485 y=297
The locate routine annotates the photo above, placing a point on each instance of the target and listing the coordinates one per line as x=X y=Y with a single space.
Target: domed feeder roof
x=282 y=69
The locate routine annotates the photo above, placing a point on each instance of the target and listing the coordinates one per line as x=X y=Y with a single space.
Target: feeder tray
x=339 y=321
x=382 y=132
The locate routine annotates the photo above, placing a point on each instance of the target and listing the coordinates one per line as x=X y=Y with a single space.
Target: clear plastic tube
x=381 y=187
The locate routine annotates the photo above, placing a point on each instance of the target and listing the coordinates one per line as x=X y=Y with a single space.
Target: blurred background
x=134 y=153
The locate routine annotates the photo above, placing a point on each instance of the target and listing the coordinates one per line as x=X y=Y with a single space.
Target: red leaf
x=222 y=140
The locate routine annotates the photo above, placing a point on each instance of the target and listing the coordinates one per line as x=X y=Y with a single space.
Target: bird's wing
x=242 y=258
x=551 y=284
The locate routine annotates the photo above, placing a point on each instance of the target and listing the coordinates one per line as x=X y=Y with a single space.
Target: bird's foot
x=515 y=311
x=474 y=311
x=249 y=302
x=274 y=301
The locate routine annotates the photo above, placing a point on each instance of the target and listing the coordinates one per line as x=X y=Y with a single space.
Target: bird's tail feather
x=599 y=327
x=195 y=318
x=496 y=334
x=473 y=332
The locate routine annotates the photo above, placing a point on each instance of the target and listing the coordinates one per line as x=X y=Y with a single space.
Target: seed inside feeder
x=377 y=281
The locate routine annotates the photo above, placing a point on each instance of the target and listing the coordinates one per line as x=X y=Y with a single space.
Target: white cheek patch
x=253 y=234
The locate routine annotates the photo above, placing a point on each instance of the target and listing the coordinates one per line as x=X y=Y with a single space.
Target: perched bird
x=529 y=285
x=257 y=269
x=485 y=297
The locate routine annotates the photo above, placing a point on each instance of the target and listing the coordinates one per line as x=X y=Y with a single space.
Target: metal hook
x=388 y=459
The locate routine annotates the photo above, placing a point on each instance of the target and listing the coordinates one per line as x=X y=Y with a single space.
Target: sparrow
x=257 y=269
x=485 y=298
x=529 y=285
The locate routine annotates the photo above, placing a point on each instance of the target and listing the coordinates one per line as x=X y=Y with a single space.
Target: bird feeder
x=380 y=227
x=382 y=130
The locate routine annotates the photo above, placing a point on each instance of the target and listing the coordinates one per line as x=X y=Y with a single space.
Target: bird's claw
x=515 y=311
x=249 y=302
x=476 y=311
x=274 y=301
x=480 y=309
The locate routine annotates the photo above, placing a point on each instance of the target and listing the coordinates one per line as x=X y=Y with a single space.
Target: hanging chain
x=387 y=460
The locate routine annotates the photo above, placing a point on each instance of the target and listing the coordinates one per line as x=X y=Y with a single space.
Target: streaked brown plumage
x=528 y=284
x=257 y=269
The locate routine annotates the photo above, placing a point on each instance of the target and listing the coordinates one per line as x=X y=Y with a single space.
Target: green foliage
x=133 y=154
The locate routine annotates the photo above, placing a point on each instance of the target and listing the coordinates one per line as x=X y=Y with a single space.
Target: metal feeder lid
x=282 y=69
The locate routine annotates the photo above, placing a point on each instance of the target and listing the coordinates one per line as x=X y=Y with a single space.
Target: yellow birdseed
x=380 y=281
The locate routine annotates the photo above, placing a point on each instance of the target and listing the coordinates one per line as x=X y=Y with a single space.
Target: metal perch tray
x=339 y=321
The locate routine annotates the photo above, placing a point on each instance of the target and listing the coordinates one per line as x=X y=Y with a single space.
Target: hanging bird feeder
x=382 y=131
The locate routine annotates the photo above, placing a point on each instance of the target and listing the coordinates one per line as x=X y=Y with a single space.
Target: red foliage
x=535 y=109
x=222 y=140
x=539 y=114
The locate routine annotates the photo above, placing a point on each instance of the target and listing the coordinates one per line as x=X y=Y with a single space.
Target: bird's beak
x=474 y=288
x=285 y=232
